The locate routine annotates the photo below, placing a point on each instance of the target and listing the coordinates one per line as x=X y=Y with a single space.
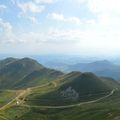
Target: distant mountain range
x=26 y=72
x=101 y=68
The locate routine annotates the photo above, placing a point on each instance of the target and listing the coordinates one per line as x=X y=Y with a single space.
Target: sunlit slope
x=22 y=73
x=47 y=94
x=6 y=96
x=106 y=109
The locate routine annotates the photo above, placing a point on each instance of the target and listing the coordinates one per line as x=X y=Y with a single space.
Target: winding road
x=26 y=92
x=73 y=105
x=22 y=94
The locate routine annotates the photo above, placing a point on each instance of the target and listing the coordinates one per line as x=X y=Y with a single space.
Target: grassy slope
x=108 y=109
x=6 y=96
x=87 y=85
x=21 y=73
x=39 y=77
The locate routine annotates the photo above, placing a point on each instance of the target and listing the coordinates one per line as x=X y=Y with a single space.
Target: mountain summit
x=20 y=73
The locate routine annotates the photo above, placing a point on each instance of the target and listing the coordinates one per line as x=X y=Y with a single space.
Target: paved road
x=26 y=92
x=40 y=86
x=23 y=94
x=11 y=102
x=74 y=105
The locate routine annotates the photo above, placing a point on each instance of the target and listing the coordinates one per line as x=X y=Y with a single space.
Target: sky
x=77 y=27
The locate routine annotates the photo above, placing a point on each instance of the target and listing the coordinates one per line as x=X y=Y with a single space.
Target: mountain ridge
x=102 y=68
x=13 y=74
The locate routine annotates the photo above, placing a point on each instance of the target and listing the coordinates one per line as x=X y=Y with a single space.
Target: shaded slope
x=6 y=61
x=72 y=88
x=38 y=77
x=85 y=83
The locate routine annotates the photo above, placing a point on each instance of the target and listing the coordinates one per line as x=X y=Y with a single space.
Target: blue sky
x=82 y=27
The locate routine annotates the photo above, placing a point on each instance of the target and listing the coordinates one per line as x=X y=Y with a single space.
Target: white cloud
x=90 y=41
x=52 y=36
x=43 y=42
x=104 y=6
x=64 y=36
x=106 y=11
x=2 y=7
x=33 y=19
x=81 y=1
x=6 y=33
x=101 y=35
x=108 y=21
x=56 y=16
x=95 y=40
x=30 y=7
x=62 y=18
x=44 y=1
x=90 y=21
x=6 y=26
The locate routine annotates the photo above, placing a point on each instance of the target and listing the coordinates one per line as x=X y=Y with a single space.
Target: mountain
x=100 y=68
x=72 y=88
x=19 y=73
x=38 y=77
x=110 y=82
x=97 y=65
x=84 y=83
x=43 y=93
x=6 y=61
x=31 y=109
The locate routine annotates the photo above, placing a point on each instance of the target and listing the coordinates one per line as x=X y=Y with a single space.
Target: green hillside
x=6 y=96
x=72 y=88
x=100 y=111
x=39 y=77
x=6 y=62
x=24 y=72
x=85 y=83
x=110 y=82
x=104 y=109
x=47 y=94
